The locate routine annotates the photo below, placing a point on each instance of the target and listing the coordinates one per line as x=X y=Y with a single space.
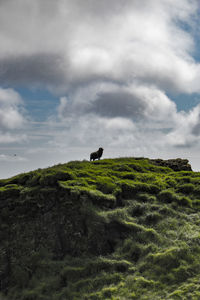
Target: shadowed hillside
x=115 y=229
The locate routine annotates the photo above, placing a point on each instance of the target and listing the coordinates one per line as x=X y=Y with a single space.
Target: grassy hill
x=115 y=229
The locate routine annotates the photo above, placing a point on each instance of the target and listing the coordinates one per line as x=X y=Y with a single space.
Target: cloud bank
x=66 y=44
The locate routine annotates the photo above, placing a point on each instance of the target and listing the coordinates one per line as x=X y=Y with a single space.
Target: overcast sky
x=78 y=75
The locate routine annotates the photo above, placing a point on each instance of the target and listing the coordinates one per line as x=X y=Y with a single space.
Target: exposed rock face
x=177 y=164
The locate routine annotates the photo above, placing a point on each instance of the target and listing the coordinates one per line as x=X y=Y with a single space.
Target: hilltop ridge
x=125 y=228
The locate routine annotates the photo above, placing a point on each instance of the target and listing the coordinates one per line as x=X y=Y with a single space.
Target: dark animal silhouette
x=96 y=155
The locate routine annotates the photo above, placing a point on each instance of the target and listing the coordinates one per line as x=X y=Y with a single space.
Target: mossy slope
x=122 y=228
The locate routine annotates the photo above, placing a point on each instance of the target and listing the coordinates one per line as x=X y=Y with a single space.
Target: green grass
x=125 y=228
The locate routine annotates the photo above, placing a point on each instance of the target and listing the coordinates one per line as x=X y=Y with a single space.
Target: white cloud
x=69 y=43
x=135 y=102
x=187 y=129
x=10 y=115
x=62 y=107
x=130 y=117
x=10 y=137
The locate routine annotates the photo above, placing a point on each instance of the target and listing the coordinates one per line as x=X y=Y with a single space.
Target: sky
x=78 y=75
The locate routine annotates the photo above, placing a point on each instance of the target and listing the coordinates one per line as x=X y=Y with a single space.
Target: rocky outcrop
x=177 y=164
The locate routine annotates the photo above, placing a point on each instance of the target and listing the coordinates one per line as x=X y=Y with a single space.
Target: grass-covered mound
x=112 y=229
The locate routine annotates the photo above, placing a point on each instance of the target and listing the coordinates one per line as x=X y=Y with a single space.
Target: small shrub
x=97 y=282
x=196 y=191
x=167 y=196
x=83 y=173
x=100 y=199
x=135 y=252
x=184 y=179
x=164 y=261
x=185 y=201
x=148 y=188
x=195 y=180
x=107 y=292
x=152 y=218
x=146 y=197
x=166 y=210
x=9 y=191
x=136 y=167
x=186 y=188
x=23 y=178
x=170 y=182
x=20 y=276
x=30 y=295
x=137 y=209
x=11 y=186
x=76 y=164
x=35 y=180
x=102 y=264
x=141 y=283
x=182 y=273
x=128 y=190
x=149 y=234
x=105 y=185
x=52 y=179
x=169 y=259
x=130 y=249
x=72 y=273
x=122 y=168
x=128 y=175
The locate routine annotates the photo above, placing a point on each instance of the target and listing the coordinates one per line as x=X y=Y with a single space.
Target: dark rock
x=177 y=164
